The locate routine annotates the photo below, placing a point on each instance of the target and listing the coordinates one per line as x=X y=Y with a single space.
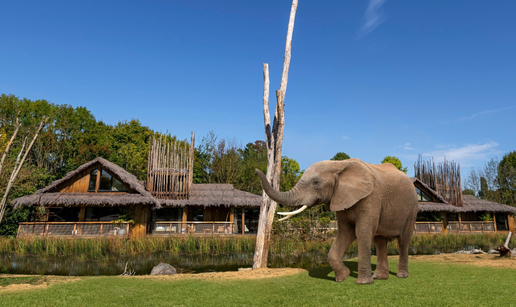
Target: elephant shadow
x=324 y=272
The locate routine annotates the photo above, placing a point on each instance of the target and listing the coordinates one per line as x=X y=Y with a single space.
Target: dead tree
x=274 y=141
x=17 y=167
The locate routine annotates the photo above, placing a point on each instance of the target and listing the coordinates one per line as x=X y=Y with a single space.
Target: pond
x=143 y=264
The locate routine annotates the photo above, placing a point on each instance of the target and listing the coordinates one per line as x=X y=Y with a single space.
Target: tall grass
x=189 y=245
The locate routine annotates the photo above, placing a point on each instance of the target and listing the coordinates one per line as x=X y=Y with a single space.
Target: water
x=143 y=264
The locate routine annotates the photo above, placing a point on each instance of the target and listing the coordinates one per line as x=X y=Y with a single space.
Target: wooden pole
x=274 y=141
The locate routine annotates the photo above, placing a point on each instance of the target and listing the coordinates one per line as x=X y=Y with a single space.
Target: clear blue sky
x=369 y=78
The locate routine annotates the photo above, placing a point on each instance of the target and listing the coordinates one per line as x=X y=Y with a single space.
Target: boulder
x=163 y=269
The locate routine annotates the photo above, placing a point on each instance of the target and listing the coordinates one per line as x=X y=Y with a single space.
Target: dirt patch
x=472 y=259
x=18 y=283
x=246 y=274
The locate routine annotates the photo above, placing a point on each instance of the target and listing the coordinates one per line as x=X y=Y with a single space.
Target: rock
x=163 y=269
x=245 y=269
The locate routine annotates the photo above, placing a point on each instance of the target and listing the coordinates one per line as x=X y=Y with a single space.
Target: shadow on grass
x=323 y=272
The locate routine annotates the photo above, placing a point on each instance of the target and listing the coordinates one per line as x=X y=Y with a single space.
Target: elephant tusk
x=290 y=214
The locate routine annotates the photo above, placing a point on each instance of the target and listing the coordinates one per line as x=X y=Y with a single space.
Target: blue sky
x=369 y=78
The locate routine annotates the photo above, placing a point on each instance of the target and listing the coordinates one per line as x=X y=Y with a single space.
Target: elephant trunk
x=284 y=198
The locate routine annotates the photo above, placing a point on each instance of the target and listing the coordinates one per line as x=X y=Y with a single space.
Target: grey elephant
x=372 y=202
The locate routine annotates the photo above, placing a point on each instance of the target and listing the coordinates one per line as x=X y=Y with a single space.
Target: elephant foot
x=362 y=280
x=341 y=275
x=380 y=275
x=402 y=275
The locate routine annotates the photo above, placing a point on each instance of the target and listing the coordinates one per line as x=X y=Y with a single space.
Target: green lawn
x=430 y=284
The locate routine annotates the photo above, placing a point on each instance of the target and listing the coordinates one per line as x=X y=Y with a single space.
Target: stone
x=163 y=269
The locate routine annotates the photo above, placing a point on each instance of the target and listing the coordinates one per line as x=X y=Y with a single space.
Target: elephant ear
x=353 y=183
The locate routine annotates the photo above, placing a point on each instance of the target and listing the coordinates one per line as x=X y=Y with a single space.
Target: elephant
x=373 y=203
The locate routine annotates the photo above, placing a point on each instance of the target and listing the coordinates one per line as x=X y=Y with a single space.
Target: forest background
x=72 y=137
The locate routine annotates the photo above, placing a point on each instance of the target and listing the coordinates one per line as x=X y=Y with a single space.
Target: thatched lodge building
x=102 y=198
x=438 y=215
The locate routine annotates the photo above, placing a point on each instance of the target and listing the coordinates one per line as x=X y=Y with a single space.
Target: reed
x=100 y=248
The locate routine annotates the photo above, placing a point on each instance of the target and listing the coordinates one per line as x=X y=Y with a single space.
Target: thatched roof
x=216 y=195
x=473 y=204
x=85 y=199
x=118 y=172
x=50 y=195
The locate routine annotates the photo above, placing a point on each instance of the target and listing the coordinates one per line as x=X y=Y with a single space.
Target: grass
x=100 y=248
x=30 y=280
x=430 y=284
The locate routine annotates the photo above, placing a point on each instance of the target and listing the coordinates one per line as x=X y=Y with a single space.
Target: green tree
x=290 y=173
x=396 y=162
x=507 y=178
x=340 y=156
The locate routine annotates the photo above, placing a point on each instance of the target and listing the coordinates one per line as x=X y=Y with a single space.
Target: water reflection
x=143 y=264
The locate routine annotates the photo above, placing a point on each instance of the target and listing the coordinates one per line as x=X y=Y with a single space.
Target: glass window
x=93 y=180
x=105 y=181
x=421 y=196
x=105 y=214
x=168 y=214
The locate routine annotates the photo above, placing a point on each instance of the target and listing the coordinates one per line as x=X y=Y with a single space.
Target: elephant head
x=339 y=184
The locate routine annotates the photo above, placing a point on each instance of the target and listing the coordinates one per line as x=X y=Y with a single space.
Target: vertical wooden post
x=510 y=221
x=444 y=218
x=494 y=222
x=243 y=221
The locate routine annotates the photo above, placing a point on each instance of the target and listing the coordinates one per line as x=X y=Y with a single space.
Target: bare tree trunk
x=8 y=147
x=17 y=167
x=274 y=141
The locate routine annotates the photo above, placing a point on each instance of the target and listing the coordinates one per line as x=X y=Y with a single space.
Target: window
x=421 y=196
x=107 y=182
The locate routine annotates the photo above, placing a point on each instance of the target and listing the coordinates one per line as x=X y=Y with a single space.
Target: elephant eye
x=316 y=182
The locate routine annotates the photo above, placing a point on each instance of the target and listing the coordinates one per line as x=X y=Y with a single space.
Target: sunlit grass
x=430 y=284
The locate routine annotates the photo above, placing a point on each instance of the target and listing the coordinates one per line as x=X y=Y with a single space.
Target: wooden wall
x=141 y=217
x=79 y=185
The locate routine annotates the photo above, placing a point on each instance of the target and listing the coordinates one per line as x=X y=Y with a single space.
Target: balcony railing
x=176 y=228
x=475 y=226
x=466 y=226
x=428 y=227
x=75 y=229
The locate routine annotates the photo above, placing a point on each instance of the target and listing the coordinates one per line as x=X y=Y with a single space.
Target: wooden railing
x=77 y=229
x=176 y=228
x=428 y=227
x=465 y=226
x=474 y=226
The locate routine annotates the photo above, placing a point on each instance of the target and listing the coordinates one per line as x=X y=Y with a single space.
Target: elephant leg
x=364 y=238
x=345 y=236
x=404 y=243
x=382 y=266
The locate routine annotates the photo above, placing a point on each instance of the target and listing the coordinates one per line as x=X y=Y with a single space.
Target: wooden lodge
x=101 y=198
x=443 y=208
